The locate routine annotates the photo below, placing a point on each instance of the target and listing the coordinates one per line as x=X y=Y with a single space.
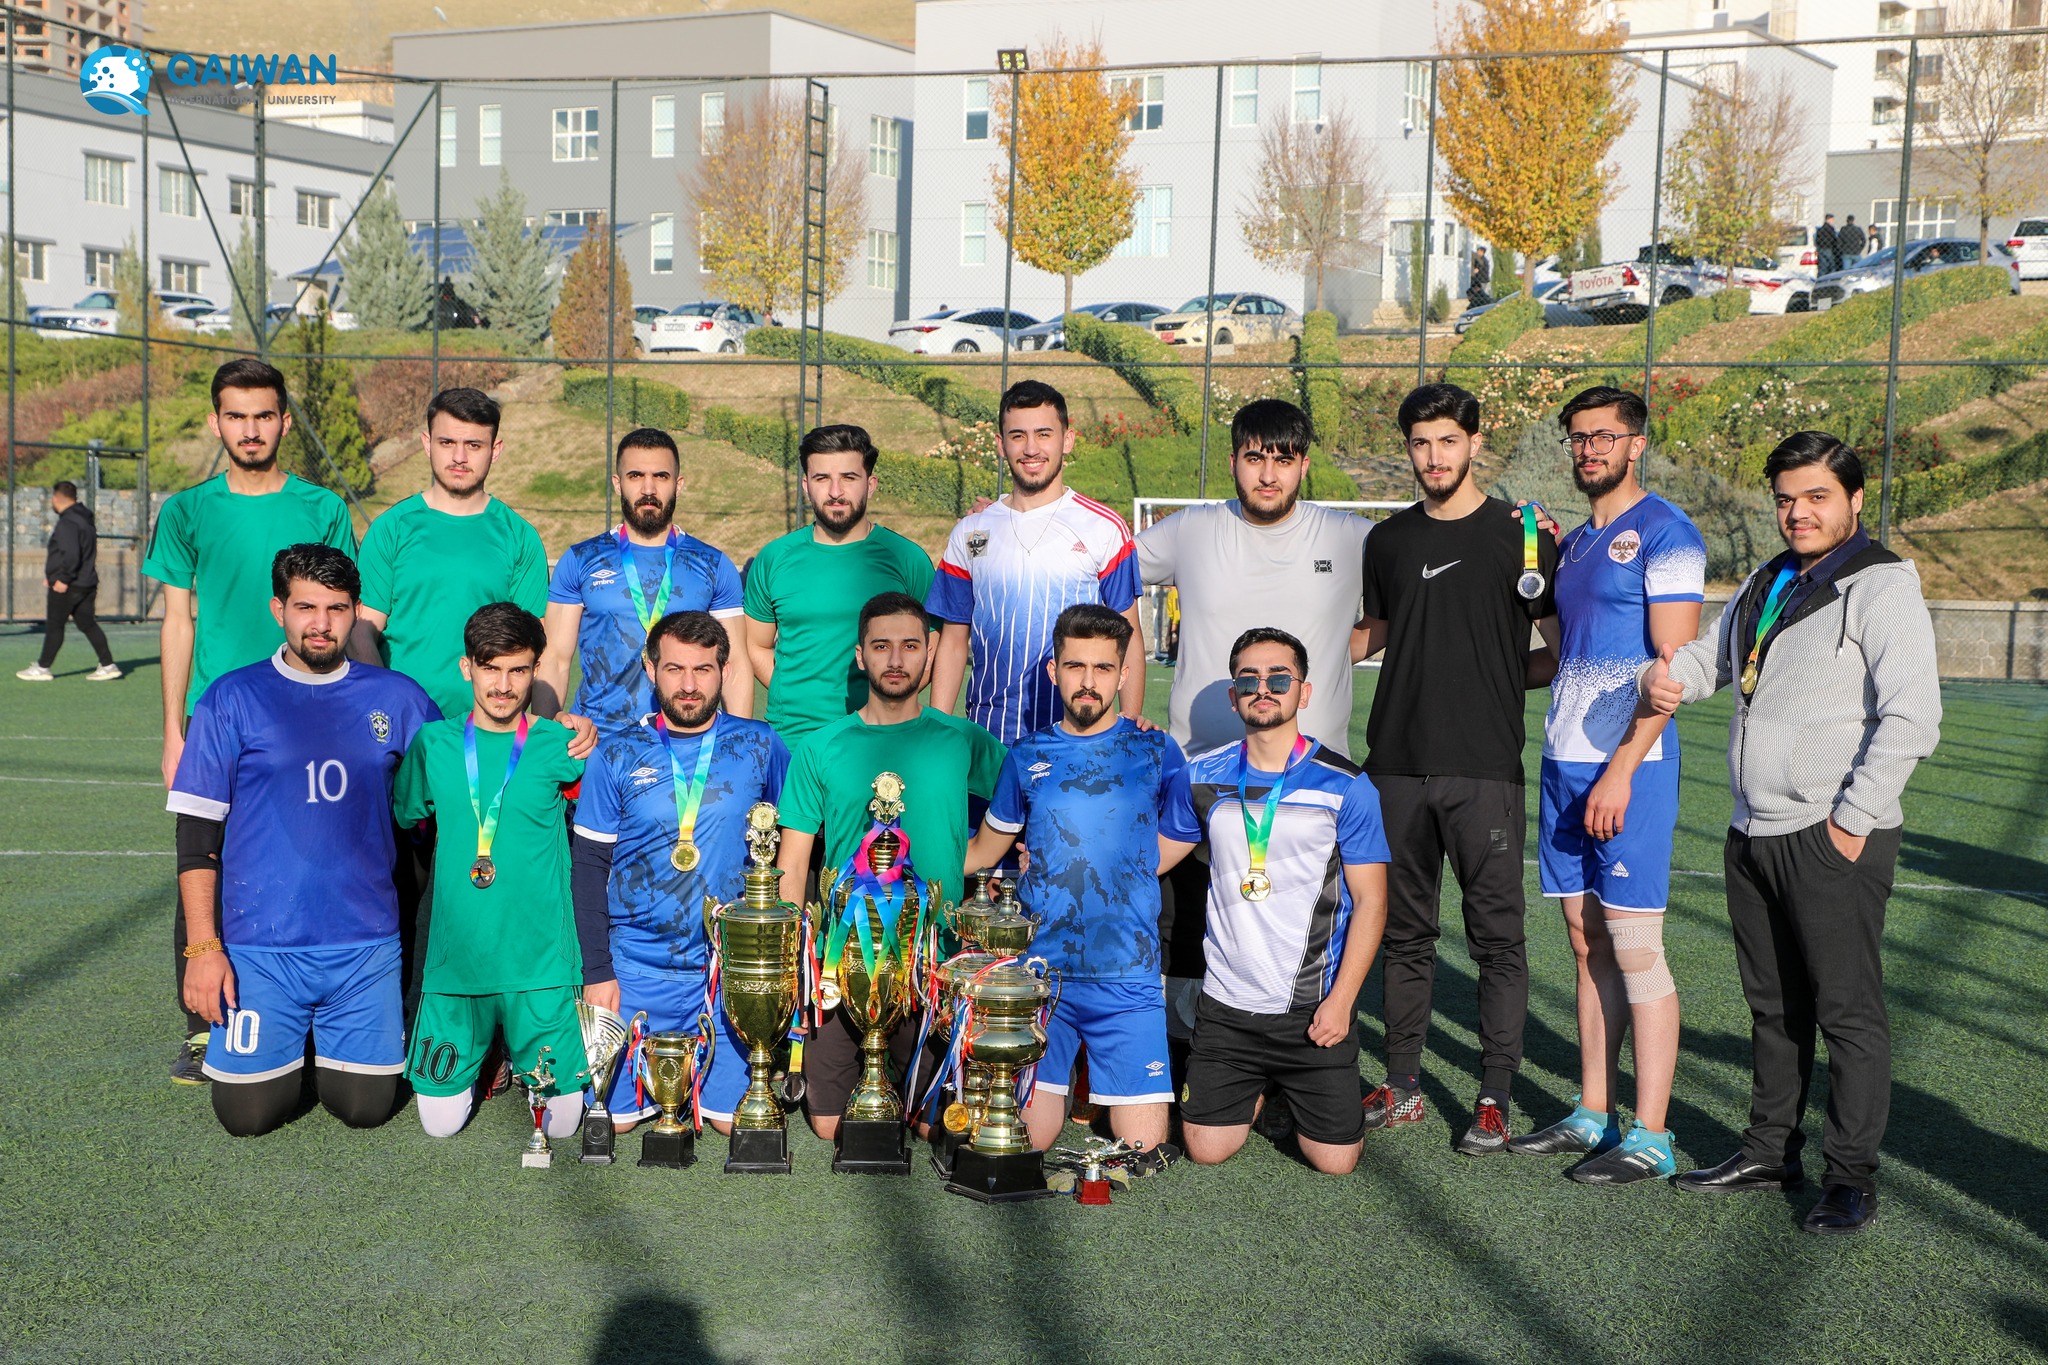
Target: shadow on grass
x=62 y=966
x=652 y=1327
x=2000 y=1172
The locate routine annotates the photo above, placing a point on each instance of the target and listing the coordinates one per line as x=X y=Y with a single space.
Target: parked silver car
x=1052 y=336
x=1874 y=272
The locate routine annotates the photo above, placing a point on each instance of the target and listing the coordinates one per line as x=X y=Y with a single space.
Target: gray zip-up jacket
x=1847 y=702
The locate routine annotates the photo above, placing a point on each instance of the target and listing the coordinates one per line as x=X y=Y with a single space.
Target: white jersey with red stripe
x=1007 y=575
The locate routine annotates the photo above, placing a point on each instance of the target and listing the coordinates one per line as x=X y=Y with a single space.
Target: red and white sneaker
x=1390 y=1105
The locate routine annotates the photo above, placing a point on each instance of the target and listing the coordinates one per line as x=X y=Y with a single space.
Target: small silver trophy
x=605 y=1036
x=537 y=1083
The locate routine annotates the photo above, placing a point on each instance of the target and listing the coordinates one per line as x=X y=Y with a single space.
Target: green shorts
x=453 y=1032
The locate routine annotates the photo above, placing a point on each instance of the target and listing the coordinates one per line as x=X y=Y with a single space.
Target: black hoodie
x=74 y=550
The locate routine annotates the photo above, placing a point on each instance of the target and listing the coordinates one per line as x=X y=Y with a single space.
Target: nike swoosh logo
x=1428 y=572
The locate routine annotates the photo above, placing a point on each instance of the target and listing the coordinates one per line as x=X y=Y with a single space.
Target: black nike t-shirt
x=1450 y=695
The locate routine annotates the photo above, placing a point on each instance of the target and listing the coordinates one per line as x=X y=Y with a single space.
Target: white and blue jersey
x=628 y=800
x=299 y=767
x=610 y=642
x=1280 y=954
x=1007 y=575
x=1087 y=806
x=1607 y=580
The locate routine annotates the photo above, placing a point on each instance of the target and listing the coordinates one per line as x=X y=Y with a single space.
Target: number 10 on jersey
x=326 y=781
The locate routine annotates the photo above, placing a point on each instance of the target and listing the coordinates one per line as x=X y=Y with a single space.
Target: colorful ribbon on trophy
x=885 y=889
x=636 y=1063
x=690 y=794
x=487 y=820
x=648 y=615
x=1027 y=1080
x=1258 y=838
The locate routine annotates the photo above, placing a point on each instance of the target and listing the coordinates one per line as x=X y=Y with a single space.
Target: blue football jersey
x=611 y=641
x=629 y=801
x=299 y=767
x=1606 y=581
x=1088 y=809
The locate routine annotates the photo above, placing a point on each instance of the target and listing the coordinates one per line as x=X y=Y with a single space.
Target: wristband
x=212 y=945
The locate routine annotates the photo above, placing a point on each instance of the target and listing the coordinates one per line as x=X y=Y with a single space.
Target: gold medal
x=1749 y=678
x=955 y=1118
x=482 y=872
x=684 y=856
x=1256 y=885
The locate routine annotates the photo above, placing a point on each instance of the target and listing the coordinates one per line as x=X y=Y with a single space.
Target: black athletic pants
x=75 y=604
x=1808 y=927
x=1478 y=823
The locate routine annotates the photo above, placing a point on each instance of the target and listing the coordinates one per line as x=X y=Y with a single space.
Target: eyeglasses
x=1251 y=684
x=1599 y=442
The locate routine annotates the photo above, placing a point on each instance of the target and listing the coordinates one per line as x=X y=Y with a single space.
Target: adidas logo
x=1621 y=869
x=1079 y=548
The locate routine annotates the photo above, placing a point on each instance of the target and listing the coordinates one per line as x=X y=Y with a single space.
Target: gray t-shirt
x=1304 y=575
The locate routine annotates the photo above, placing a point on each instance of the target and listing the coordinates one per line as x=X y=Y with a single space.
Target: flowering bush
x=1118 y=426
x=977 y=446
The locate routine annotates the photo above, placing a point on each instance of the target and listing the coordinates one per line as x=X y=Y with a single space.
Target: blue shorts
x=1631 y=871
x=673 y=1006
x=349 y=999
x=1123 y=1025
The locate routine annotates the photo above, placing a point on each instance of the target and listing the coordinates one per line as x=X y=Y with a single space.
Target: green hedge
x=938 y=387
x=1322 y=387
x=1677 y=322
x=635 y=401
x=1170 y=467
x=944 y=486
x=771 y=438
x=1929 y=492
x=1494 y=333
x=1143 y=361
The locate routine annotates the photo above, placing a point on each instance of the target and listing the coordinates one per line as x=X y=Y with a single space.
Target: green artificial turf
x=133 y=1229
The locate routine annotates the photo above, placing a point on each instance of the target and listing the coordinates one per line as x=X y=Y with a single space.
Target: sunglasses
x=1251 y=684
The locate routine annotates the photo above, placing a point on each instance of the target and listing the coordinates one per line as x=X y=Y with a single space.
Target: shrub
x=1118 y=426
x=169 y=419
x=1439 y=302
x=393 y=394
x=932 y=482
x=1143 y=361
x=1677 y=322
x=1316 y=359
x=40 y=362
x=938 y=387
x=635 y=401
x=771 y=438
x=1495 y=332
x=1930 y=492
x=1170 y=467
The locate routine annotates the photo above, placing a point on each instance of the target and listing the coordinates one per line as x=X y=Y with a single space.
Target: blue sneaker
x=1642 y=1155
x=1581 y=1131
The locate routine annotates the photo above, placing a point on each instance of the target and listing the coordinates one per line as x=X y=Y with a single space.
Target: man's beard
x=837 y=519
x=1280 y=513
x=1084 y=708
x=1457 y=483
x=687 y=714
x=321 y=658
x=1599 y=487
x=254 y=464
x=649 y=518
x=1272 y=720
x=1025 y=484
x=891 y=690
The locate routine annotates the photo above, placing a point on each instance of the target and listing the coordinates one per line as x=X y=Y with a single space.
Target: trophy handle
x=710 y=918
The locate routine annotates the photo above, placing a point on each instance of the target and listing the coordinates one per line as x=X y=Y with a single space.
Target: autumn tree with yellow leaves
x=1733 y=171
x=1315 y=204
x=1075 y=195
x=1524 y=140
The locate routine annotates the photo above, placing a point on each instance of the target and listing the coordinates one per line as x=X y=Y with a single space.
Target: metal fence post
x=1656 y=237
x=13 y=323
x=1898 y=244
x=434 y=157
x=611 y=305
x=259 y=321
x=1421 y=289
x=1209 y=296
x=1009 y=256
x=142 y=526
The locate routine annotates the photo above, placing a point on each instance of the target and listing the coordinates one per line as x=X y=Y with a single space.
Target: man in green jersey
x=212 y=553
x=940 y=758
x=805 y=590
x=435 y=557
x=501 y=952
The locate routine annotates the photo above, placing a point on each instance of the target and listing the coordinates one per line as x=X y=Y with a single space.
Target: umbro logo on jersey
x=1155 y=1069
x=1038 y=770
x=603 y=576
x=1323 y=566
x=645 y=774
x=1428 y=572
x=1621 y=869
x=380 y=726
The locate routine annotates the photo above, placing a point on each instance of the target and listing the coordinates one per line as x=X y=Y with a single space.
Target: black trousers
x=1478 y=824
x=1809 y=925
x=75 y=604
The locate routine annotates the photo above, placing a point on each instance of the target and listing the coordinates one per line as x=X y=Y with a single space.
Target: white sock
x=444 y=1115
x=565 y=1115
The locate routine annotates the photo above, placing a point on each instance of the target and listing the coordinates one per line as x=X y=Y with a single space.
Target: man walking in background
x=71 y=573
x=1827 y=246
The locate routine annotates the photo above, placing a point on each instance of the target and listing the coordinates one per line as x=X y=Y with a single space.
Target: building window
x=576 y=135
x=1150 y=110
x=1244 y=97
x=1151 y=224
x=974 y=233
x=99 y=267
x=881 y=259
x=571 y=217
x=661 y=244
x=316 y=210
x=448 y=117
x=663 y=118
x=106 y=181
x=490 y=135
x=179 y=276
x=1933 y=217
x=710 y=122
x=2026 y=13
x=1308 y=92
x=1414 y=98
x=243 y=201
x=885 y=147
x=177 y=193
x=31 y=260
x=977 y=109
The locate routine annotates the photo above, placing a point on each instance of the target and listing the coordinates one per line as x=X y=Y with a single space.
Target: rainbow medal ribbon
x=1256 y=885
x=1774 y=607
x=648 y=615
x=483 y=871
x=1530 y=585
x=685 y=856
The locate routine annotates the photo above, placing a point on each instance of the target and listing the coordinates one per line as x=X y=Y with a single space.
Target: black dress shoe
x=1739 y=1175
x=1842 y=1209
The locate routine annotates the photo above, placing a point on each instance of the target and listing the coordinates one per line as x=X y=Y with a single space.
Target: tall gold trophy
x=867 y=969
x=968 y=920
x=1005 y=1036
x=671 y=1081
x=759 y=937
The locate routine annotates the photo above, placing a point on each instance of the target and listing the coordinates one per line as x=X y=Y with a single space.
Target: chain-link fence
x=1716 y=224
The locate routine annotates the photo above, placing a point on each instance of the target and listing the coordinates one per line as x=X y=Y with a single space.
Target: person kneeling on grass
x=1297 y=902
x=501 y=951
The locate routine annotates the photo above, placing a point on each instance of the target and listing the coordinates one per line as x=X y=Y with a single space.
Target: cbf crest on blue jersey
x=380 y=726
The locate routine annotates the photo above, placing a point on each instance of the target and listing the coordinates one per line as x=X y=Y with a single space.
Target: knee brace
x=1639 y=951
x=444 y=1115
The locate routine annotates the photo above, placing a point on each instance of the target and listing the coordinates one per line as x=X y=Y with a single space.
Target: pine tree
x=387 y=284
x=579 y=313
x=508 y=279
x=133 y=298
x=249 y=296
x=324 y=392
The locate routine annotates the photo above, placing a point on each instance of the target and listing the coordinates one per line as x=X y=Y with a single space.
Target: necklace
x=1586 y=543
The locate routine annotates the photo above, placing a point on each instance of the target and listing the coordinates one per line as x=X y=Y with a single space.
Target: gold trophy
x=970 y=923
x=1005 y=1036
x=759 y=937
x=605 y=1036
x=671 y=1079
x=536 y=1083
x=867 y=971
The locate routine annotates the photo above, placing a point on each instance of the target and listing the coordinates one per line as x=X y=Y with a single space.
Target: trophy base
x=759 y=1151
x=671 y=1150
x=945 y=1149
x=999 y=1179
x=871 y=1147
x=536 y=1160
x=599 y=1140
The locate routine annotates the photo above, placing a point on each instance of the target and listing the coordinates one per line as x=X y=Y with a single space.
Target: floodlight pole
x=1428 y=240
x=1891 y=373
x=434 y=364
x=1013 y=61
x=259 y=323
x=1209 y=298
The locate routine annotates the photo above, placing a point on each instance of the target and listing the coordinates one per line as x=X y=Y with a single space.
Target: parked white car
x=1239 y=317
x=2029 y=246
x=96 y=313
x=960 y=331
x=708 y=326
x=1798 y=254
x=644 y=315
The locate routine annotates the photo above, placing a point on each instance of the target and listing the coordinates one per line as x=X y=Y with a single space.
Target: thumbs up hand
x=1658 y=689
